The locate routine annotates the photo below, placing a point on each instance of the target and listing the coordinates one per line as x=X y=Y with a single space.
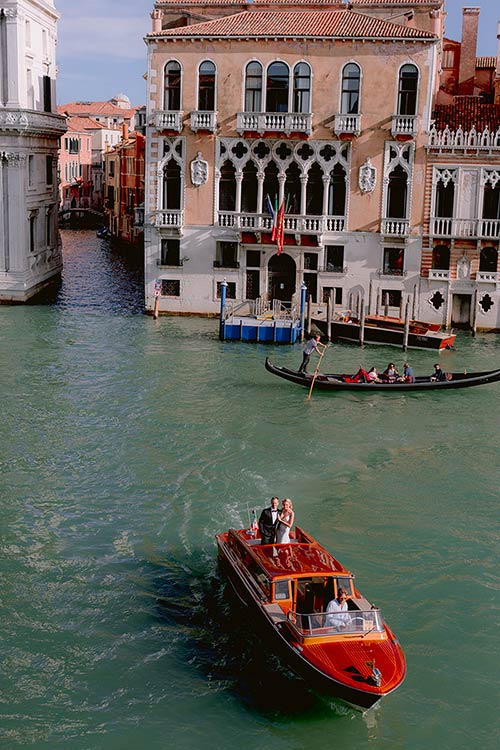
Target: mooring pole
x=303 y=290
x=362 y=322
x=407 y=325
x=223 y=292
x=329 y=316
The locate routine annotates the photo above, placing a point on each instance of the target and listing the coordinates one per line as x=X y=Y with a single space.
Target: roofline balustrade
x=464 y=141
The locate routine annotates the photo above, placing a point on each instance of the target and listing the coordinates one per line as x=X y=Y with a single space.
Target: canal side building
x=315 y=108
x=30 y=128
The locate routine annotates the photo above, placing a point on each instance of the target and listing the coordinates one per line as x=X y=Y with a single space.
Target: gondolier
x=312 y=345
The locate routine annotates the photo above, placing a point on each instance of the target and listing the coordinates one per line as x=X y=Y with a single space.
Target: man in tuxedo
x=268 y=522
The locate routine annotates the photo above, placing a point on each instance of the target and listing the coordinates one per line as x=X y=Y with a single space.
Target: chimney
x=157 y=16
x=467 y=70
x=497 y=72
x=124 y=131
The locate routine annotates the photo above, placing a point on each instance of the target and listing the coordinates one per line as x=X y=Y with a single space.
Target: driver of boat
x=337 y=615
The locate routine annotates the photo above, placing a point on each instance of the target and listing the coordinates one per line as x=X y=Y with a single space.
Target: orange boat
x=350 y=654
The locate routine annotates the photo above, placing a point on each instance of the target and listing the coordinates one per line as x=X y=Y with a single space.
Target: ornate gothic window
x=397 y=179
x=277 y=87
x=491 y=195
x=253 y=87
x=397 y=193
x=249 y=188
x=445 y=193
x=407 y=90
x=172 y=87
x=351 y=78
x=227 y=187
x=302 y=88
x=171 y=185
x=206 y=86
x=337 y=191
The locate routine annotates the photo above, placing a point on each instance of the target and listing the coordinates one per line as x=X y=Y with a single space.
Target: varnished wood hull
x=348 y=331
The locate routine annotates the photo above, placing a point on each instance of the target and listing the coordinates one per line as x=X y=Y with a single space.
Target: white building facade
x=30 y=128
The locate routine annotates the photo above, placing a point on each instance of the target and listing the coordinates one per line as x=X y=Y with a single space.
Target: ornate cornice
x=34 y=123
x=9 y=12
x=15 y=159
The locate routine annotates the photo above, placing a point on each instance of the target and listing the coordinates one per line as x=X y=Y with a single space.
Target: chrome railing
x=359 y=622
x=281 y=122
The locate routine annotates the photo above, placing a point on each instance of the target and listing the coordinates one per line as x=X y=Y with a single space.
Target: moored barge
x=352 y=654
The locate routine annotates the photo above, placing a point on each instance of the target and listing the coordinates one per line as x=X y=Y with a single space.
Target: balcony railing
x=470 y=228
x=203 y=121
x=226 y=264
x=347 y=125
x=391 y=272
x=487 y=277
x=395 y=227
x=174 y=219
x=404 y=125
x=166 y=120
x=331 y=268
x=274 y=122
x=439 y=274
x=470 y=141
x=292 y=223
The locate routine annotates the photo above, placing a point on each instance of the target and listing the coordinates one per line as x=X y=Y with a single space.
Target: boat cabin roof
x=296 y=559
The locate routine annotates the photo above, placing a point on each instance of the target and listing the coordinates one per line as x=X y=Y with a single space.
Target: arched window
x=172 y=185
x=491 y=201
x=445 y=198
x=351 y=76
x=271 y=184
x=397 y=193
x=172 y=86
x=277 y=87
x=206 y=87
x=441 y=258
x=314 y=191
x=337 y=191
x=227 y=187
x=407 y=90
x=292 y=189
x=249 y=188
x=302 y=88
x=253 y=87
x=488 y=259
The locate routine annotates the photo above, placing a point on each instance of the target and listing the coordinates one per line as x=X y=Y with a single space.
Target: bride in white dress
x=285 y=522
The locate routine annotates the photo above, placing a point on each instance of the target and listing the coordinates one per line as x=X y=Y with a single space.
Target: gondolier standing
x=312 y=345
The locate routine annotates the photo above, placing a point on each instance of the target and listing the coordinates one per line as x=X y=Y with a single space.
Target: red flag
x=278 y=234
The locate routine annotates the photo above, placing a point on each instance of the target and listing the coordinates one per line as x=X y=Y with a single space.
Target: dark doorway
x=460 y=311
x=282 y=271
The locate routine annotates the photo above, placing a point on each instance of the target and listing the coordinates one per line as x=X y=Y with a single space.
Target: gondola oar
x=315 y=374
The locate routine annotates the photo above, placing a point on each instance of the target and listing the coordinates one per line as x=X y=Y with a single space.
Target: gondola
x=340 y=382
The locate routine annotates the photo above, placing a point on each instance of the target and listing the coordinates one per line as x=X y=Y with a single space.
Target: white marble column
x=12 y=21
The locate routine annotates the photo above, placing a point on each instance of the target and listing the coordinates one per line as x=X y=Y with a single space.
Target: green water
x=127 y=444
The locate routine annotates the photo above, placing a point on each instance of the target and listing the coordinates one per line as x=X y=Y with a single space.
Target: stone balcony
x=167 y=219
x=404 y=125
x=274 y=122
x=487 y=277
x=203 y=121
x=439 y=274
x=292 y=223
x=395 y=227
x=347 y=125
x=465 y=228
x=166 y=120
x=32 y=122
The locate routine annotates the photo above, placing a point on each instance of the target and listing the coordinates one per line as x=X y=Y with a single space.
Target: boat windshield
x=356 y=621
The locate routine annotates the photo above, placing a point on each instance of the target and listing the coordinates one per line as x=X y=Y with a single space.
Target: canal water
x=128 y=443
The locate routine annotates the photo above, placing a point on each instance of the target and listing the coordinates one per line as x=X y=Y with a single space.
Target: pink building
x=75 y=165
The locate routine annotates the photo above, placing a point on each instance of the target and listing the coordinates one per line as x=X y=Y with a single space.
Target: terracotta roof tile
x=97 y=108
x=297 y=23
x=243 y=5
x=82 y=123
x=467 y=112
x=396 y=3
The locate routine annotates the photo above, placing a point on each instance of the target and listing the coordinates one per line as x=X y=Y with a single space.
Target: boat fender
x=292 y=616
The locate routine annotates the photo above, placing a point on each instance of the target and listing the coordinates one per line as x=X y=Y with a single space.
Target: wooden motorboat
x=384 y=329
x=351 y=655
x=338 y=382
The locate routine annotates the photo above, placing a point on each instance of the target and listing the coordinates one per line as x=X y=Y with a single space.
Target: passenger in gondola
x=438 y=375
x=337 y=614
x=390 y=374
x=408 y=376
x=373 y=376
x=360 y=377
